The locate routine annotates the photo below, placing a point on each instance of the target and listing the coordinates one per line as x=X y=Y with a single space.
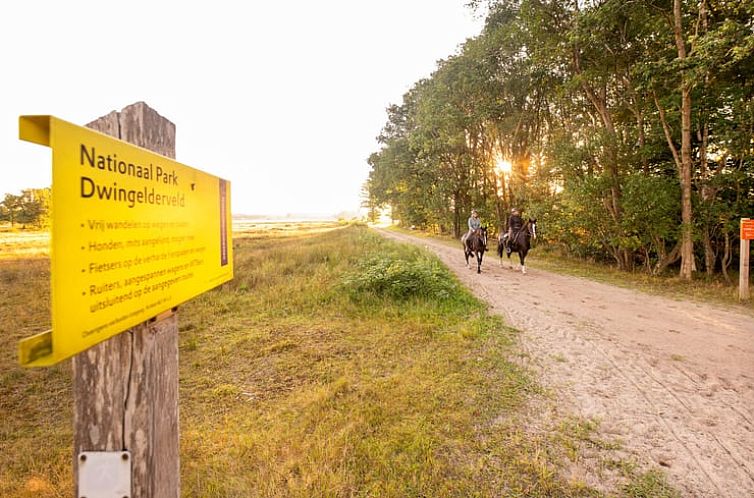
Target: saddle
x=510 y=241
x=477 y=232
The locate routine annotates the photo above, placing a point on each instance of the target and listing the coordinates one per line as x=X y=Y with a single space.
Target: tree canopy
x=628 y=126
x=31 y=208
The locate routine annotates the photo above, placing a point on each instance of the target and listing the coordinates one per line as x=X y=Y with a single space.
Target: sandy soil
x=672 y=381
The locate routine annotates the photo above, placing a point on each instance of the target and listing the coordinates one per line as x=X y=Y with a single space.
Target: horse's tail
x=499 y=248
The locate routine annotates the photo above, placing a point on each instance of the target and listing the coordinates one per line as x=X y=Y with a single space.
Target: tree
x=30 y=208
x=10 y=208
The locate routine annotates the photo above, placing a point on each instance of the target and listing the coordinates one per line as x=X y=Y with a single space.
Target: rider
x=515 y=223
x=474 y=223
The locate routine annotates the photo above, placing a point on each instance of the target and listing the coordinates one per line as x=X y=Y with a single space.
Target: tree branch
x=668 y=132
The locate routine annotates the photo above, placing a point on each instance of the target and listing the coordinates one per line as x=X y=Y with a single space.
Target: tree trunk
x=666 y=260
x=687 y=246
x=727 y=256
x=635 y=106
x=710 y=254
x=642 y=142
x=456 y=215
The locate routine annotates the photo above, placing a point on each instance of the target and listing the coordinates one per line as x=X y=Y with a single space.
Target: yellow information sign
x=134 y=234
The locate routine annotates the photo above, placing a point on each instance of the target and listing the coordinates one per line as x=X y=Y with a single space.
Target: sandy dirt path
x=672 y=381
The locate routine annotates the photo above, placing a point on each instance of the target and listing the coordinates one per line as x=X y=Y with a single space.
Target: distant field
x=255 y=227
x=336 y=363
x=14 y=244
x=24 y=244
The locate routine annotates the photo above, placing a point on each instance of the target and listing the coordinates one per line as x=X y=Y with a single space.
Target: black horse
x=475 y=244
x=519 y=242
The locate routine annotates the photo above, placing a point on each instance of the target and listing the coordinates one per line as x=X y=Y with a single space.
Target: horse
x=475 y=244
x=519 y=242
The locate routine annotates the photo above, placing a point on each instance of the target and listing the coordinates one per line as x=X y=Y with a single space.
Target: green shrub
x=400 y=278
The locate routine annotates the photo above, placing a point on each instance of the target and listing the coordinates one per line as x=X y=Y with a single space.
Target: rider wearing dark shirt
x=515 y=224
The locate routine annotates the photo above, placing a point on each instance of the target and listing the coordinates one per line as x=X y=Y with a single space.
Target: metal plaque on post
x=104 y=474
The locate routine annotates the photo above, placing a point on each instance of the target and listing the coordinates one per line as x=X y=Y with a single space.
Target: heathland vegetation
x=625 y=127
x=31 y=209
x=336 y=363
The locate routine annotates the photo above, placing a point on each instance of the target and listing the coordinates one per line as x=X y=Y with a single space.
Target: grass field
x=336 y=363
x=14 y=245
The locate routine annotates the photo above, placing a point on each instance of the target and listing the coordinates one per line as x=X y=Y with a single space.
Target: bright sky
x=284 y=99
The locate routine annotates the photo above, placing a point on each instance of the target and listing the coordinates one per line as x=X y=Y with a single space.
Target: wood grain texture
x=126 y=388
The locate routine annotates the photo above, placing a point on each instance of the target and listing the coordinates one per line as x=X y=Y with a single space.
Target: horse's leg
x=479 y=256
x=522 y=257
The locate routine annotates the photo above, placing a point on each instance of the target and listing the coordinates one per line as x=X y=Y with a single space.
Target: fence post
x=126 y=388
x=743 y=274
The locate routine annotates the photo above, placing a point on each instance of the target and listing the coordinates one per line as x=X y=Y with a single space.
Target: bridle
x=532 y=227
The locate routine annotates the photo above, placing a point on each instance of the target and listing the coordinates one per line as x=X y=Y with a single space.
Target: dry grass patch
x=304 y=386
x=16 y=244
x=293 y=382
x=35 y=405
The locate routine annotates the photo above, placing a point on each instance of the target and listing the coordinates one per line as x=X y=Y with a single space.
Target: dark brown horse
x=519 y=242
x=475 y=244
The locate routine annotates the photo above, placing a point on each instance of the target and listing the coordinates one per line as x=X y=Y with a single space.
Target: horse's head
x=533 y=227
x=479 y=234
x=483 y=233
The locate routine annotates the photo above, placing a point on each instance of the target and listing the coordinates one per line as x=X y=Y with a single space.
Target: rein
x=527 y=225
x=516 y=234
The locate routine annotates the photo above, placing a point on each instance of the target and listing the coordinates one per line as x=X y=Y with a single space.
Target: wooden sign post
x=747 y=234
x=134 y=235
x=126 y=388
